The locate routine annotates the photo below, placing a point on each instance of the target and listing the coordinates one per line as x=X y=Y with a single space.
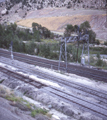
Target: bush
x=99 y=62
x=97 y=42
x=98 y=55
x=54 y=55
x=38 y=111
x=29 y=47
x=92 y=60
x=105 y=43
x=104 y=51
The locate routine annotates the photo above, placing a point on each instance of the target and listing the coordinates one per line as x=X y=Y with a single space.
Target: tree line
x=28 y=42
x=11 y=32
x=83 y=28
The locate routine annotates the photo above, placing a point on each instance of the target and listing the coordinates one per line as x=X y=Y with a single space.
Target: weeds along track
x=78 y=70
x=83 y=104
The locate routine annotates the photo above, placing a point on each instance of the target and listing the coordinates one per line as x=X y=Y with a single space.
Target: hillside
x=57 y=19
x=21 y=7
x=55 y=15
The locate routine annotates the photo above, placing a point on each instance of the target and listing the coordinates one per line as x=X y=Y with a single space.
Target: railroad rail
x=94 y=108
x=95 y=93
x=75 y=69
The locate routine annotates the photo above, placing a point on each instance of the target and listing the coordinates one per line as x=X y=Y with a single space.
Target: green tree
x=76 y=28
x=92 y=36
x=29 y=47
x=85 y=25
x=97 y=42
x=68 y=30
x=105 y=43
x=36 y=36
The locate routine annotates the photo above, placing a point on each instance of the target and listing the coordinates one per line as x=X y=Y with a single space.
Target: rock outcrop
x=39 y=4
x=23 y=6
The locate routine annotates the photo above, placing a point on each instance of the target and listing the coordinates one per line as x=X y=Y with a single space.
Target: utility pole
x=78 y=38
x=88 y=52
x=12 y=50
x=77 y=49
x=63 y=47
x=63 y=53
x=106 y=14
x=66 y=53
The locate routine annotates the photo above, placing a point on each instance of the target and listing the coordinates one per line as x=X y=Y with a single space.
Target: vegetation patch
x=38 y=111
x=21 y=103
x=12 y=98
x=49 y=41
x=41 y=41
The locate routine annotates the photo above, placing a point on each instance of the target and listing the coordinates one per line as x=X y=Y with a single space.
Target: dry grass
x=55 y=23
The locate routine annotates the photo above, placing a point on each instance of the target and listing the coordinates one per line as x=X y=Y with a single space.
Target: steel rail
x=98 y=76
x=75 y=71
x=22 y=77
x=94 y=108
x=82 y=105
x=102 y=96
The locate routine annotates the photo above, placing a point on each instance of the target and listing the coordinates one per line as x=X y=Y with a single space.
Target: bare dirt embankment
x=55 y=19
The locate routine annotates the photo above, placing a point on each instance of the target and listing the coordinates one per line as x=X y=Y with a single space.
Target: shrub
x=105 y=43
x=98 y=55
x=99 y=62
x=97 y=42
x=38 y=111
x=92 y=36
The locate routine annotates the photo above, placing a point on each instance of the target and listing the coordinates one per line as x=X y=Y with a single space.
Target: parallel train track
x=78 y=70
x=100 y=95
x=97 y=109
x=85 y=105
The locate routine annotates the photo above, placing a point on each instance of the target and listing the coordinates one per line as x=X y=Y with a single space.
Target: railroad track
x=78 y=70
x=66 y=83
x=22 y=77
x=95 y=93
x=85 y=105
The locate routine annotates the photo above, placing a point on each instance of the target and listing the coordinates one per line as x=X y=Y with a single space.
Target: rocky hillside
x=7 y=6
x=32 y=4
x=21 y=7
x=15 y=10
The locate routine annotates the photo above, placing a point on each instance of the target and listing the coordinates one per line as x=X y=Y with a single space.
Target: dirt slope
x=57 y=19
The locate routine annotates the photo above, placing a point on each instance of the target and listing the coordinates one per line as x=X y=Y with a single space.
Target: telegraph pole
x=66 y=53
x=12 y=50
x=106 y=14
x=63 y=53
x=77 y=49
x=79 y=35
x=88 y=52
